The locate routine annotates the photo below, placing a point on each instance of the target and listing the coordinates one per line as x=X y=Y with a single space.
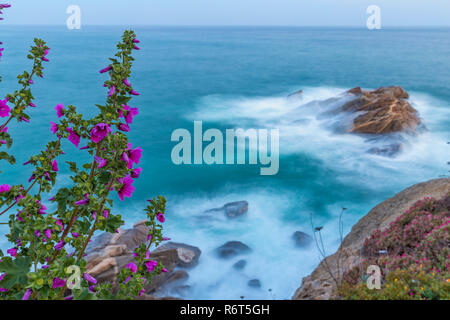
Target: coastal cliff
x=319 y=285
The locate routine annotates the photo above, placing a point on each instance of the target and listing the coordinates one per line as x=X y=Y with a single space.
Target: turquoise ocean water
x=240 y=77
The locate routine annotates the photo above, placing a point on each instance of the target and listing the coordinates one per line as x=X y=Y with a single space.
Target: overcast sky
x=231 y=12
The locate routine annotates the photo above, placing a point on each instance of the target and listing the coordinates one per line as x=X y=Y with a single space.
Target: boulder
x=301 y=239
x=188 y=256
x=232 y=249
x=381 y=111
x=240 y=265
x=254 y=283
x=232 y=209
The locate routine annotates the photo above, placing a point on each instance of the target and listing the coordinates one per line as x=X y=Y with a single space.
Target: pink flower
x=112 y=90
x=132 y=266
x=101 y=162
x=59 y=245
x=130 y=114
x=126 y=190
x=150 y=265
x=136 y=41
x=106 y=69
x=5 y=188
x=55 y=166
x=105 y=213
x=53 y=127
x=83 y=201
x=48 y=233
x=58 y=283
x=131 y=156
x=59 y=110
x=12 y=252
x=126 y=82
x=100 y=131
x=89 y=278
x=160 y=217
x=124 y=127
x=73 y=137
x=135 y=173
x=4 y=109
x=27 y=294
x=134 y=93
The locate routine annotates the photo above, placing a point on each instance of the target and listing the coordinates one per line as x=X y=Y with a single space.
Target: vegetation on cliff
x=413 y=254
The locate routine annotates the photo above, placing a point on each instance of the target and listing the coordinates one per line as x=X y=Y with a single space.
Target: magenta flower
x=101 y=162
x=134 y=93
x=99 y=132
x=75 y=234
x=106 y=69
x=160 y=217
x=55 y=166
x=136 y=41
x=53 y=127
x=164 y=270
x=31 y=81
x=31 y=104
x=32 y=178
x=132 y=266
x=4 y=108
x=135 y=173
x=59 y=245
x=27 y=294
x=105 y=213
x=151 y=265
x=83 y=201
x=130 y=113
x=48 y=233
x=58 y=283
x=12 y=252
x=124 y=127
x=73 y=137
x=89 y=278
x=131 y=156
x=126 y=82
x=5 y=188
x=112 y=90
x=59 y=110
x=37 y=233
x=127 y=279
x=137 y=48
x=126 y=190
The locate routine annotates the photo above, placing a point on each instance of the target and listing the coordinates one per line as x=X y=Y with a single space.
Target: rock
x=384 y=110
x=240 y=265
x=232 y=249
x=254 y=283
x=109 y=253
x=298 y=93
x=301 y=239
x=319 y=284
x=232 y=209
x=188 y=256
x=387 y=151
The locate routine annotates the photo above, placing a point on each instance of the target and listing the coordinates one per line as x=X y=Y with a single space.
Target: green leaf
x=7 y=157
x=16 y=271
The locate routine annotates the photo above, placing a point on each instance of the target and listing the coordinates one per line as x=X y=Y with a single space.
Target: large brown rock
x=319 y=284
x=384 y=110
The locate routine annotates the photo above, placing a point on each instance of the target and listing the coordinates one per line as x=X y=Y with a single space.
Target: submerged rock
x=240 y=265
x=232 y=209
x=301 y=239
x=254 y=283
x=232 y=249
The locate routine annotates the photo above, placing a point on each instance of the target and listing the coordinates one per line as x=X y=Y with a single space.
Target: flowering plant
x=48 y=246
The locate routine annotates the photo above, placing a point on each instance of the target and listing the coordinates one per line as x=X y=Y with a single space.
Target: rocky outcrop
x=301 y=239
x=384 y=110
x=109 y=253
x=319 y=284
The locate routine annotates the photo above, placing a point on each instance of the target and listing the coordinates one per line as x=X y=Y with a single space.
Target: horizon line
x=228 y=26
